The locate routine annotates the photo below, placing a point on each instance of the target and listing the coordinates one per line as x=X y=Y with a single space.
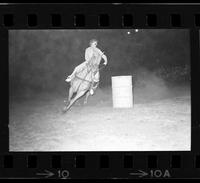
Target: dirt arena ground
x=154 y=124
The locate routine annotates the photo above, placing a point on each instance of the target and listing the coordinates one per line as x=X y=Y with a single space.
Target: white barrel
x=122 y=92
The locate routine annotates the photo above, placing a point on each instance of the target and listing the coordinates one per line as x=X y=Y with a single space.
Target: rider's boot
x=69 y=78
x=91 y=91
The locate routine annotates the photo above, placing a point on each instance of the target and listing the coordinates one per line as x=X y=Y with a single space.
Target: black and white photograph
x=99 y=90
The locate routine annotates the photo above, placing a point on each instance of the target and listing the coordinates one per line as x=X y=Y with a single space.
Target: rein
x=83 y=78
x=87 y=74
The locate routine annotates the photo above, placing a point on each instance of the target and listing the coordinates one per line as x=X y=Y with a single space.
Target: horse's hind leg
x=78 y=95
x=86 y=97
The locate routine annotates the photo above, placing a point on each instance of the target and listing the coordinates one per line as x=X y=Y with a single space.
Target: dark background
x=40 y=60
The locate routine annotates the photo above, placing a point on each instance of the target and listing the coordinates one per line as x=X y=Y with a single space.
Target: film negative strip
x=99 y=91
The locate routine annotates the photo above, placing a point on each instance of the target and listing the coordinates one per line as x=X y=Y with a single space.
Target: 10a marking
x=160 y=173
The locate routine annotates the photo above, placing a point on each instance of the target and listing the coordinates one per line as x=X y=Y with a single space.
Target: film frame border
x=180 y=164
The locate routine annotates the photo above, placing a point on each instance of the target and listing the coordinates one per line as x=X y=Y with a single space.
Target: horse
x=82 y=84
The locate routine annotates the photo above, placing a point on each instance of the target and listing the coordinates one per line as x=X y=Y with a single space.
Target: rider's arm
x=105 y=59
x=103 y=56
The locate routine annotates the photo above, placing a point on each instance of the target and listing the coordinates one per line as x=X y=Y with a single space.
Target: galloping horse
x=83 y=84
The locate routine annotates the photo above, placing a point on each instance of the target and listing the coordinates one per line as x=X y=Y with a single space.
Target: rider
x=93 y=55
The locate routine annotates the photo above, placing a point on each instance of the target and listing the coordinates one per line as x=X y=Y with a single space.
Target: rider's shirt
x=93 y=54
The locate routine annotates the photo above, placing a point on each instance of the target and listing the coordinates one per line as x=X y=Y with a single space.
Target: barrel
x=122 y=92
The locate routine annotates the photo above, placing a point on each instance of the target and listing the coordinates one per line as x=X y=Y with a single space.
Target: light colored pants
x=79 y=68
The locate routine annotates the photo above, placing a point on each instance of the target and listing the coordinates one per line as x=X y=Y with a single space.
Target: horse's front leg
x=78 y=95
x=69 y=96
x=71 y=92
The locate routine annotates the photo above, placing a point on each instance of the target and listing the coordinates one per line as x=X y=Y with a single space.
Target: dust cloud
x=147 y=87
